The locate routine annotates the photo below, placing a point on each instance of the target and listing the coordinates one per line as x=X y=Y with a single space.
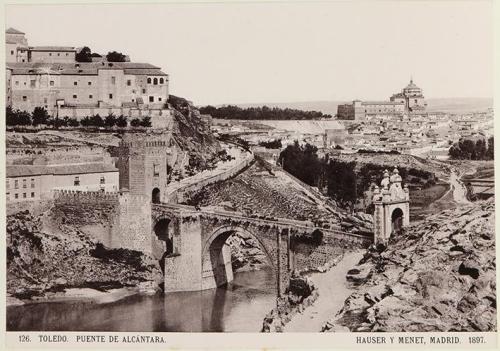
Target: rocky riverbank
x=245 y=253
x=439 y=275
x=46 y=262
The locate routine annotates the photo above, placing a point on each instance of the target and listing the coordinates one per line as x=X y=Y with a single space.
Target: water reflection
x=241 y=306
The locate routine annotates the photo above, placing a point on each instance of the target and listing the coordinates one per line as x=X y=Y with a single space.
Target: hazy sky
x=283 y=52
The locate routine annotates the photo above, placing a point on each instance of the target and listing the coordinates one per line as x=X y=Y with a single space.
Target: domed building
x=412 y=97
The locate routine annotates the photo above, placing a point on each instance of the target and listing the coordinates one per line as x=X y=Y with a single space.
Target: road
x=333 y=289
x=458 y=188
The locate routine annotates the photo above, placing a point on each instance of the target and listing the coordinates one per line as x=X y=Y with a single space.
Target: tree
x=302 y=162
x=121 y=121
x=146 y=122
x=96 y=121
x=85 y=55
x=136 y=122
x=490 y=152
x=110 y=120
x=73 y=122
x=40 y=116
x=114 y=56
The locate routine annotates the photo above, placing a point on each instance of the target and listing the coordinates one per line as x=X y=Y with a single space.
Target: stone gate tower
x=142 y=164
x=392 y=207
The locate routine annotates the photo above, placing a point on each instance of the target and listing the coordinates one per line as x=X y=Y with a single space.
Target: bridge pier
x=183 y=269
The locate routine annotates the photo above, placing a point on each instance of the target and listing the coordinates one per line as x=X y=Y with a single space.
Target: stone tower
x=142 y=164
x=392 y=207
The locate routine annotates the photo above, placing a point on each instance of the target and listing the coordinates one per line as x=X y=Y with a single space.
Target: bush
x=40 y=116
x=110 y=120
x=121 y=121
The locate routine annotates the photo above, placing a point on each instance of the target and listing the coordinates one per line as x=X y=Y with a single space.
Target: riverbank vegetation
x=344 y=181
x=469 y=149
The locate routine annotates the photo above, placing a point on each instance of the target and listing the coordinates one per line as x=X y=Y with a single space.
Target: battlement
x=97 y=196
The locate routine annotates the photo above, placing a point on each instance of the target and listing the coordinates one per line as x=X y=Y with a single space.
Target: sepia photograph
x=250 y=167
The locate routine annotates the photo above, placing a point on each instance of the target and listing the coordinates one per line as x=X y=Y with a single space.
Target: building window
x=90 y=96
x=76 y=181
x=16 y=196
x=75 y=83
x=151 y=99
x=44 y=100
x=24 y=183
x=58 y=54
x=24 y=195
x=155 y=81
x=50 y=54
x=416 y=100
x=129 y=82
x=12 y=52
x=32 y=182
x=103 y=180
x=133 y=91
x=161 y=80
x=32 y=194
x=159 y=99
x=90 y=83
x=156 y=170
x=75 y=96
x=144 y=91
x=110 y=96
x=149 y=80
x=16 y=184
x=113 y=80
x=25 y=98
x=17 y=82
x=67 y=54
x=7 y=195
x=51 y=83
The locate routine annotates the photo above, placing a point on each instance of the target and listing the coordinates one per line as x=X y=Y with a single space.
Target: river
x=239 y=307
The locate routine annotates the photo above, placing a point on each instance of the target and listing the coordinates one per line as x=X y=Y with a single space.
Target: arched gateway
x=392 y=207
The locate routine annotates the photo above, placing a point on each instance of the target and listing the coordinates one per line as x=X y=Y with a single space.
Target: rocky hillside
x=437 y=276
x=42 y=262
x=192 y=133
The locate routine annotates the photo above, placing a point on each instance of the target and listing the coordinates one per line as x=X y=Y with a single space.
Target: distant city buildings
x=409 y=100
x=50 y=77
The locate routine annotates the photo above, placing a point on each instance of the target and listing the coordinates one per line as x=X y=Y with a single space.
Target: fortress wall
x=181 y=194
x=117 y=220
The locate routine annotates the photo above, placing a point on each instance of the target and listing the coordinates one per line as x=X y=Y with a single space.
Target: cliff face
x=437 y=276
x=43 y=261
x=192 y=133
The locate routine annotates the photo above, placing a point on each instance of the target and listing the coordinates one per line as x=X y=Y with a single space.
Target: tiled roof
x=85 y=68
x=52 y=48
x=13 y=31
x=24 y=170
x=381 y=103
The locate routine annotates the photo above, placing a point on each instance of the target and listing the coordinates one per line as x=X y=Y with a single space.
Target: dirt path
x=333 y=290
x=459 y=191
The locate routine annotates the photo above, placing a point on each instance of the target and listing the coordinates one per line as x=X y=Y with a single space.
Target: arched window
x=149 y=80
x=161 y=80
x=155 y=81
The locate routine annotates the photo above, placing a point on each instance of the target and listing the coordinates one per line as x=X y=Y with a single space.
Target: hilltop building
x=50 y=77
x=409 y=100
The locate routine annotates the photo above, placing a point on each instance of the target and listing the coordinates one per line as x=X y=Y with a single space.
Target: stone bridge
x=196 y=256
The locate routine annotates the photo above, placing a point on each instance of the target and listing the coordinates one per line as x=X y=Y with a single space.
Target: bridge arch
x=216 y=256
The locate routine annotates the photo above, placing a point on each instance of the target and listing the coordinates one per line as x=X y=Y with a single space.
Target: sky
x=221 y=53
